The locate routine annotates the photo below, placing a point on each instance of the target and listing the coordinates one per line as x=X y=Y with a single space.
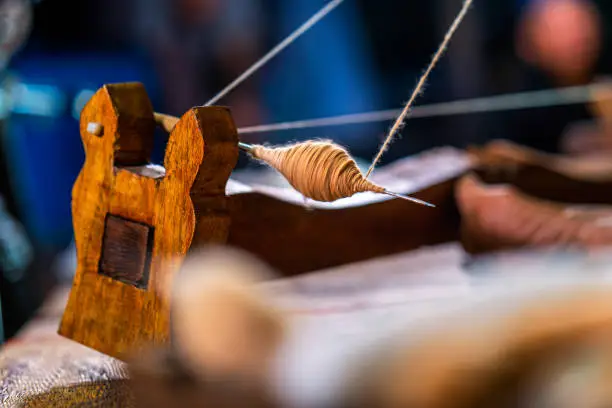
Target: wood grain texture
x=126 y=251
x=294 y=239
x=111 y=316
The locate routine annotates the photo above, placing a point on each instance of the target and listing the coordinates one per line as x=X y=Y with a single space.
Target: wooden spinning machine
x=135 y=222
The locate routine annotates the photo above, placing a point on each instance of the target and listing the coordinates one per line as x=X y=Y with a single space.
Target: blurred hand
x=561 y=37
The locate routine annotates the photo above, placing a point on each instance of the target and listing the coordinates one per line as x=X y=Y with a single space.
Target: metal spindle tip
x=408 y=198
x=245 y=146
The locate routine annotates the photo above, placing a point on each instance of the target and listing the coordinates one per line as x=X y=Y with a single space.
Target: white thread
x=516 y=101
x=276 y=50
x=400 y=120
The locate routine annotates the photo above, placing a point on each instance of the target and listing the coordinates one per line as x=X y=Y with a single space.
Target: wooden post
x=133 y=222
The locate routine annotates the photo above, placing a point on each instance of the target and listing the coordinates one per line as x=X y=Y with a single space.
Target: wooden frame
x=128 y=215
x=134 y=222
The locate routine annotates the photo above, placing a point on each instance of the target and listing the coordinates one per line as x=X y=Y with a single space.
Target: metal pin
x=246 y=147
x=95 y=128
x=408 y=198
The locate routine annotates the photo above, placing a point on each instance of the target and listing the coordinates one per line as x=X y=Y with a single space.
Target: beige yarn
x=320 y=170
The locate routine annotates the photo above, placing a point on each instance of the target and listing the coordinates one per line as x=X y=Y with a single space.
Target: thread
x=318 y=16
x=420 y=85
x=504 y=102
x=320 y=170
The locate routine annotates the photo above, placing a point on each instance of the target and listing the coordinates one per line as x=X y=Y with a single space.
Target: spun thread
x=421 y=84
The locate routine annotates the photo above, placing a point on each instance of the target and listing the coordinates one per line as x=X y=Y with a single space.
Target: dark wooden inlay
x=126 y=251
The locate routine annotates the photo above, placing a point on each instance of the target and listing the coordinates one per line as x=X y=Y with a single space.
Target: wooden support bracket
x=134 y=222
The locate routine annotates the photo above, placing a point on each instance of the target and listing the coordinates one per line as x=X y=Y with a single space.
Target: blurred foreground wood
x=480 y=342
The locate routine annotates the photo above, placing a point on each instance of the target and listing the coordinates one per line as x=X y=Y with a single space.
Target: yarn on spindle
x=320 y=170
